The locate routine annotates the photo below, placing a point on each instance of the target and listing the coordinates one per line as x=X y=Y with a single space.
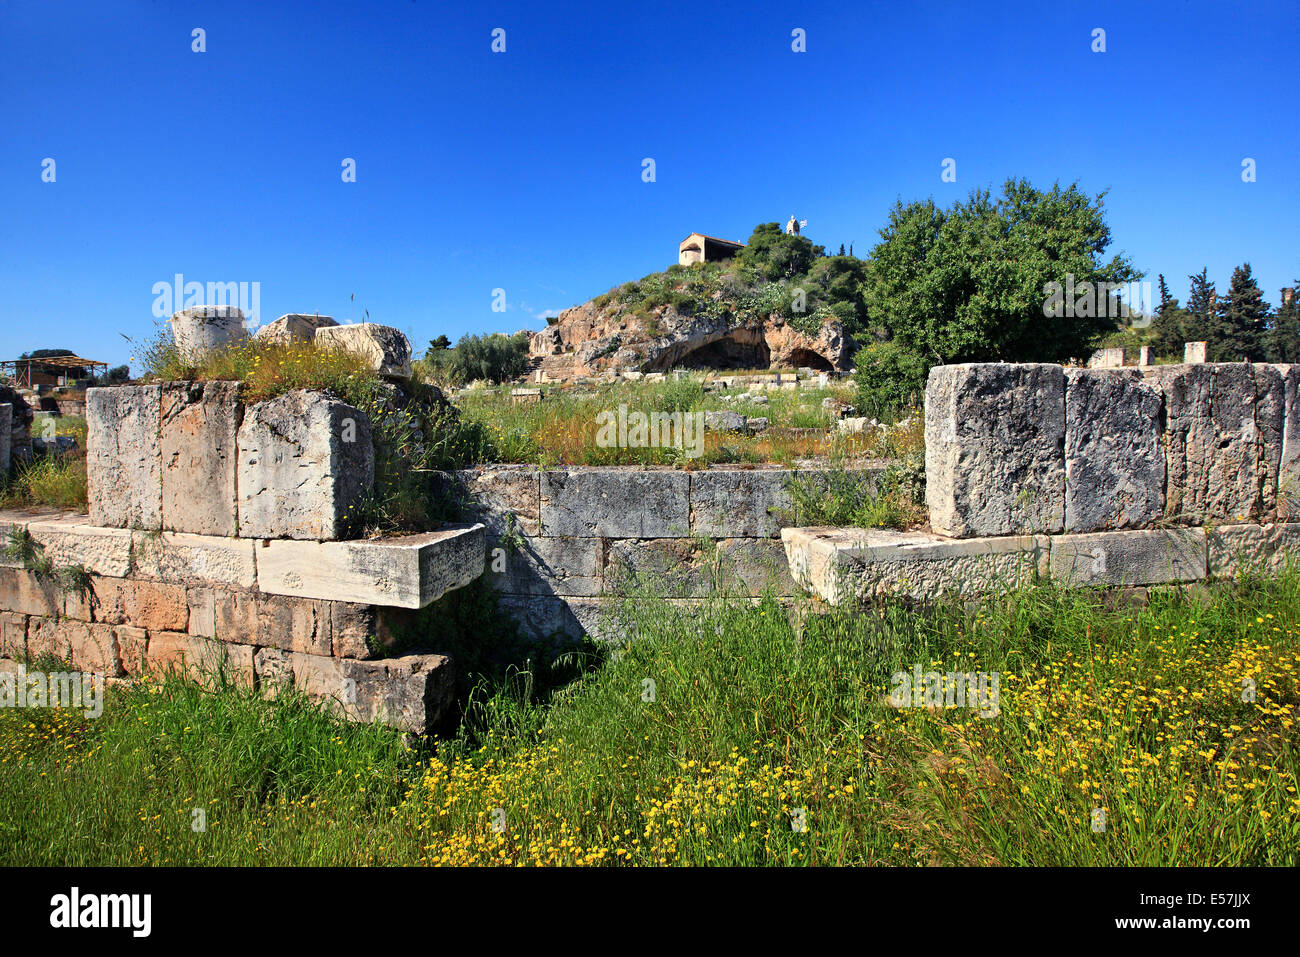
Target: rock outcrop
x=609 y=339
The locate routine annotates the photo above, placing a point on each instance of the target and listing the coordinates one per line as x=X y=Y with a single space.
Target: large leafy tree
x=1240 y=320
x=970 y=283
x=775 y=255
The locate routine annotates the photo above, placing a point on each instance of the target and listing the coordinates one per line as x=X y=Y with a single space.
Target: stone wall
x=1015 y=449
x=562 y=541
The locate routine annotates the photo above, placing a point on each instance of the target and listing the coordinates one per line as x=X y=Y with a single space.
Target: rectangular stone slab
x=408 y=571
x=616 y=503
x=994 y=449
x=124 y=456
x=200 y=422
x=1133 y=557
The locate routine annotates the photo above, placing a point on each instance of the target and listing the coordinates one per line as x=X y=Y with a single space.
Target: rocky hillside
x=711 y=315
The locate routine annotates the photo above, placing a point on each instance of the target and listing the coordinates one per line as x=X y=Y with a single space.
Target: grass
x=562 y=429
x=55 y=481
x=730 y=733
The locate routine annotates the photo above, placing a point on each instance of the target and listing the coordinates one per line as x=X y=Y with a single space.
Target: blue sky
x=522 y=170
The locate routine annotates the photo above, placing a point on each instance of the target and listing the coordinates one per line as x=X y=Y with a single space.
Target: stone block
x=407 y=571
x=739 y=503
x=306 y=461
x=1135 y=557
x=1188 y=438
x=155 y=606
x=13 y=635
x=1114 y=460
x=68 y=540
x=1288 y=486
x=385 y=349
x=132 y=648
x=547 y=566
x=291 y=624
x=854 y=564
x=1252 y=549
x=202 y=602
x=124 y=457
x=1234 y=490
x=411 y=693
x=203 y=660
x=200 y=424
x=202 y=329
x=1270 y=428
x=183 y=557
x=495 y=492
x=616 y=503
x=352 y=627
x=293 y=327
x=1109 y=358
x=26 y=593
x=994 y=449
x=688 y=568
x=82 y=645
x=1195 y=352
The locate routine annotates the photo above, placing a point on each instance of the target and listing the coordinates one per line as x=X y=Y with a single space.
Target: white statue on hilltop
x=794 y=225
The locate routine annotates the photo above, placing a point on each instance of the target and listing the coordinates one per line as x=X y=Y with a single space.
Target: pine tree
x=1241 y=320
x=1167 y=326
x=1198 y=317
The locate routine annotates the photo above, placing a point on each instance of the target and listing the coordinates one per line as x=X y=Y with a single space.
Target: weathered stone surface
x=1270 y=427
x=1194 y=352
x=1109 y=358
x=291 y=624
x=67 y=540
x=124 y=457
x=1235 y=482
x=24 y=592
x=155 y=606
x=201 y=329
x=1188 y=438
x=13 y=635
x=200 y=424
x=1258 y=549
x=352 y=627
x=407 y=571
x=1135 y=557
x=494 y=493
x=86 y=646
x=994 y=457
x=854 y=564
x=305 y=462
x=547 y=566
x=411 y=693
x=731 y=503
x=688 y=568
x=1114 y=462
x=616 y=503
x=293 y=327
x=725 y=422
x=202 y=660
x=182 y=557
x=1288 y=489
x=543 y=617
x=132 y=649
x=387 y=350
x=202 y=603
x=6 y=436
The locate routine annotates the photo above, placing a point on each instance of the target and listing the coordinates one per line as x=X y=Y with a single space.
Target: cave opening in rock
x=807 y=359
x=727 y=353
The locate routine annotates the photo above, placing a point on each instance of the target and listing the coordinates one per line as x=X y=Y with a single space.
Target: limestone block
x=67 y=540
x=13 y=635
x=132 y=649
x=407 y=571
x=1135 y=557
x=1288 y=489
x=495 y=492
x=293 y=327
x=411 y=693
x=352 y=627
x=182 y=557
x=26 y=593
x=1194 y=352
x=739 y=503
x=854 y=564
x=725 y=422
x=994 y=457
x=291 y=624
x=547 y=566
x=124 y=457
x=616 y=503
x=6 y=436
x=1270 y=428
x=385 y=349
x=89 y=647
x=1110 y=358
x=688 y=568
x=202 y=329
x=1188 y=438
x=1114 y=461
x=1234 y=492
x=203 y=660
x=200 y=423
x=156 y=606
x=202 y=603
x=1245 y=549
x=305 y=462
